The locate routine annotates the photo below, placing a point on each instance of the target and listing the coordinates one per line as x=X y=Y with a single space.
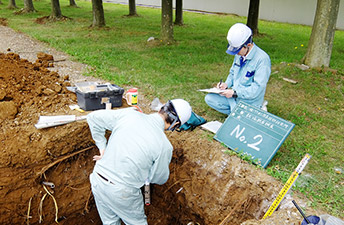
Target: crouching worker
x=248 y=76
x=137 y=149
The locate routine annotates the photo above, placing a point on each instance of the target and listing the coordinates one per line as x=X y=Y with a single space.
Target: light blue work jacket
x=249 y=79
x=137 y=148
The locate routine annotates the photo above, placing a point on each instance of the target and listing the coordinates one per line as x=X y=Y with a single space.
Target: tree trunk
x=12 y=4
x=28 y=6
x=179 y=13
x=55 y=10
x=321 y=41
x=166 y=21
x=253 y=15
x=98 y=13
x=72 y=3
x=132 y=8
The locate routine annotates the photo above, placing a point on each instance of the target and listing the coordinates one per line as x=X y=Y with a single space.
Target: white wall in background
x=290 y=11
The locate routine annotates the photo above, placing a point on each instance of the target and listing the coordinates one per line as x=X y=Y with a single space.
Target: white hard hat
x=238 y=35
x=183 y=109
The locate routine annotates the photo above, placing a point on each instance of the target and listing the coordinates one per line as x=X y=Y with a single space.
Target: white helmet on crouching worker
x=239 y=35
x=178 y=110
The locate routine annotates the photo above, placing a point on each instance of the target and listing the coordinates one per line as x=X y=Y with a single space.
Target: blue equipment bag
x=194 y=121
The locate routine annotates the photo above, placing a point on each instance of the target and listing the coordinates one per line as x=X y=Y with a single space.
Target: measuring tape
x=288 y=185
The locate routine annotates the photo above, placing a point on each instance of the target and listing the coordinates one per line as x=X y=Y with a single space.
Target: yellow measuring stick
x=288 y=185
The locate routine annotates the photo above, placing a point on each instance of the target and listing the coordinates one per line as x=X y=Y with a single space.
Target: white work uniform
x=137 y=149
x=248 y=78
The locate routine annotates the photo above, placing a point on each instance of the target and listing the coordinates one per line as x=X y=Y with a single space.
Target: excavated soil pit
x=206 y=186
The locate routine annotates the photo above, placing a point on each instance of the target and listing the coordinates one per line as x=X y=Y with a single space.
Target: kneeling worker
x=248 y=75
x=137 y=149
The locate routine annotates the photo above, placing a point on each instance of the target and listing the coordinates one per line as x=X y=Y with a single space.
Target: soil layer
x=206 y=186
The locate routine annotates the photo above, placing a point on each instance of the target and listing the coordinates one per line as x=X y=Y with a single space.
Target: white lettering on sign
x=237 y=128
x=254 y=145
x=264 y=115
x=238 y=134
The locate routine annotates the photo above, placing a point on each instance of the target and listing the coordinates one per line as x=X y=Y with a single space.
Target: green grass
x=197 y=60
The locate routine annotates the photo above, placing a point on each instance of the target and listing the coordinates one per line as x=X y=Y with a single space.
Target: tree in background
x=132 y=8
x=98 y=13
x=166 y=21
x=1 y=2
x=72 y=3
x=253 y=16
x=28 y=7
x=321 y=41
x=12 y=4
x=55 y=10
x=179 y=13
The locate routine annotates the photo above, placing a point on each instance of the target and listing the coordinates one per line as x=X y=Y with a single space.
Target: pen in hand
x=220 y=84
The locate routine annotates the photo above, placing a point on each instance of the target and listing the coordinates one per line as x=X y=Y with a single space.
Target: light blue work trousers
x=218 y=102
x=117 y=202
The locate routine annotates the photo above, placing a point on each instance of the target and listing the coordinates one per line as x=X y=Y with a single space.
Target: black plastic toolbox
x=96 y=98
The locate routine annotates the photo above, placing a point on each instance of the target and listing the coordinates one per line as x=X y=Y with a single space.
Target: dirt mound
x=28 y=91
x=3 y=21
x=206 y=186
x=46 y=19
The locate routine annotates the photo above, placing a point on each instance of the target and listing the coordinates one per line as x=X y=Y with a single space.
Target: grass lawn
x=120 y=52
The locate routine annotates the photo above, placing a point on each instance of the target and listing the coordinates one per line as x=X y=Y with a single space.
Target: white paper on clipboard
x=212 y=90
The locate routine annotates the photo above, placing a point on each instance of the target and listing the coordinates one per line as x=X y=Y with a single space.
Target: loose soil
x=205 y=186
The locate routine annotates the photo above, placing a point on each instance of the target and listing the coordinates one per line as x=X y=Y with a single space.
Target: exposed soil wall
x=206 y=186
x=29 y=90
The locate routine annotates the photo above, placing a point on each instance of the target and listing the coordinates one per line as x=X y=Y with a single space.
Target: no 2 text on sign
x=254 y=132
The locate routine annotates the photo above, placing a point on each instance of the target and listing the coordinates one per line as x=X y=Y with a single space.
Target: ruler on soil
x=288 y=185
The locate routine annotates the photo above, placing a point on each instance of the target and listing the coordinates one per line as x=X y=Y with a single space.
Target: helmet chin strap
x=172 y=127
x=247 y=49
x=249 y=41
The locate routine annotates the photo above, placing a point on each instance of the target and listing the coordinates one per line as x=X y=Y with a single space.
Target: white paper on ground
x=212 y=126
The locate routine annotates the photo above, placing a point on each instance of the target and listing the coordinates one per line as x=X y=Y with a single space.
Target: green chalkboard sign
x=254 y=132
